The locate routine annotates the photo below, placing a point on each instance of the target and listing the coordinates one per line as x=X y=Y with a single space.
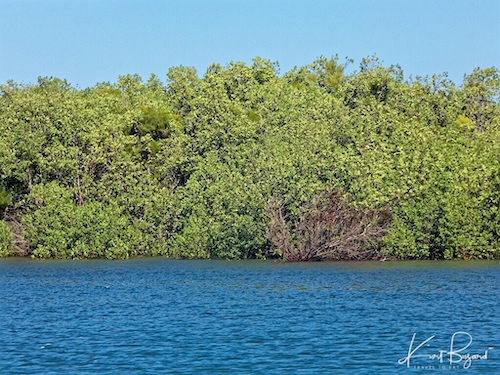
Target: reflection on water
x=149 y=316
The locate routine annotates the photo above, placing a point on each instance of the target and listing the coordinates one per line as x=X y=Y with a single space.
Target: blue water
x=159 y=316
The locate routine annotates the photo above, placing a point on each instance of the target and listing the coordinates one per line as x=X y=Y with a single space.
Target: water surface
x=160 y=316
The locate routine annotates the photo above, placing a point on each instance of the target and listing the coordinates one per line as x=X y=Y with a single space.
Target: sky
x=91 y=41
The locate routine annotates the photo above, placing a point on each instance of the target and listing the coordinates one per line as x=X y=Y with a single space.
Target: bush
x=59 y=228
x=5 y=239
x=327 y=229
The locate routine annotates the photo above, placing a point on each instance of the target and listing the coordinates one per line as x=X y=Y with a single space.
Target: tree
x=481 y=94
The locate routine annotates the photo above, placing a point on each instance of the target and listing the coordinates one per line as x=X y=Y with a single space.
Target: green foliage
x=480 y=96
x=187 y=168
x=58 y=228
x=5 y=199
x=5 y=239
x=221 y=212
x=327 y=73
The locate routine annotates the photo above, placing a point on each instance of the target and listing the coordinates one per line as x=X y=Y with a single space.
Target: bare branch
x=328 y=229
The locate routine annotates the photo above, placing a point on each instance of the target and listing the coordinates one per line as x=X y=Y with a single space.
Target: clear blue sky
x=90 y=41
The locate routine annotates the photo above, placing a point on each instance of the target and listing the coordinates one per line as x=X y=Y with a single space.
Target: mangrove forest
x=247 y=162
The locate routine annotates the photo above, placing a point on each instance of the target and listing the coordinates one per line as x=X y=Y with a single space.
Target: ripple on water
x=149 y=316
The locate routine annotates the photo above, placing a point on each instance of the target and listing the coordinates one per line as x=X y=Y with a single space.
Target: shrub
x=5 y=240
x=328 y=228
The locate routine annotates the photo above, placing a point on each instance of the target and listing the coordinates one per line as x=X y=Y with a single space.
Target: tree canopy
x=245 y=162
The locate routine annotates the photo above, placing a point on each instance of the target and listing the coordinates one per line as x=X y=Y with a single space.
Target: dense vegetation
x=247 y=163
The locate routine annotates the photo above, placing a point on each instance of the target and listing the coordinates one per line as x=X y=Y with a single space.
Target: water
x=159 y=316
